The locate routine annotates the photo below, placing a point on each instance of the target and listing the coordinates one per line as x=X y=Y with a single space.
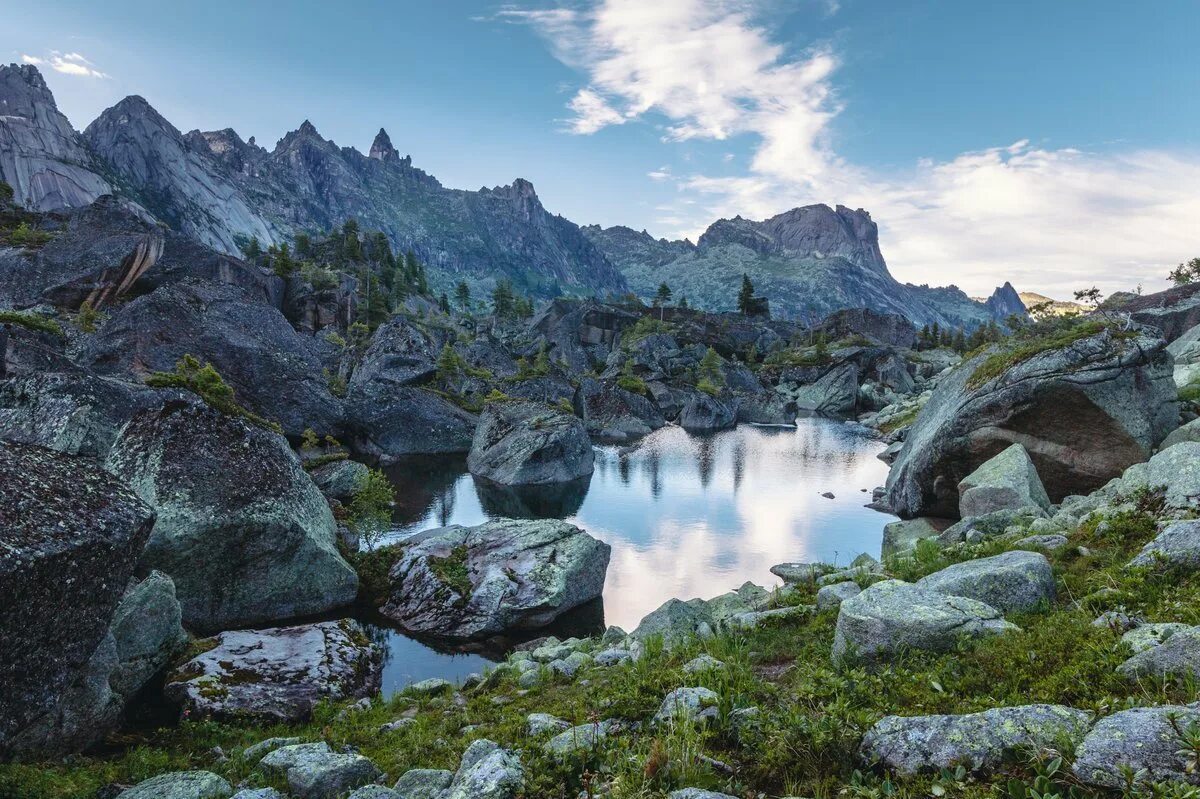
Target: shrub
x=1054 y=334
x=631 y=382
x=88 y=317
x=38 y=324
x=708 y=387
x=24 y=236
x=646 y=326
x=6 y=194
x=206 y=383
x=371 y=507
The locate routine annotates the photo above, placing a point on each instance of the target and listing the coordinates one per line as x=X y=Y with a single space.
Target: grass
x=452 y=571
x=312 y=464
x=812 y=715
x=38 y=324
x=373 y=567
x=206 y=383
x=900 y=420
x=1055 y=334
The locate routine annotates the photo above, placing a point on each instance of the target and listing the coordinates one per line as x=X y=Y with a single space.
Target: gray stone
x=834 y=393
x=541 y=723
x=256 y=752
x=339 y=479
x=697 y=793
x=1176 y=547
x=527 y=443
x=893 y=616
x=702 y=663
x=180 y=785
x=799 y=573
x=278 y=674
x=1007 y=481
x=582 y=737
x=423 y=783
x=1187 y=432
x=242 y=531
x=1143 y=740
x=758 y=618
x=902 y=536
x=831 y=596
x=1147 y=636
x=258 y=793
x=431 y=687
x=614 y=415
x=1176 y=469
x=487 y=772
x=519 y=574
x=611 y=657
x=313 y=771
x=978 y=741
x=1177 y=655
x=375 y=792
x=687 y=705
x=1050 y=542
x=147 y=629
x=703 y=413
x=1011 y=581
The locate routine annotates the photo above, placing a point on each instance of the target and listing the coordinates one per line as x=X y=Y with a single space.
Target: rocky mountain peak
x=307 y=129
x=1005 y=302
x=382 y=149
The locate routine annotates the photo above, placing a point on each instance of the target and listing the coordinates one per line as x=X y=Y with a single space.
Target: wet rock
x=278 y=674
x=528 y=443
x=1144 y=741
x=894 y=616
x=476 y=582
x=180 y=785
x=241 y=529
x=63 y=522
x=1012 y=581
x=978 y=741
x=1007 y=481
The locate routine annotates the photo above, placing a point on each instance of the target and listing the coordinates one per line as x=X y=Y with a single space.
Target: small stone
x=539 y=723
x=702 y=663
x=830 y=596
x=685 y=705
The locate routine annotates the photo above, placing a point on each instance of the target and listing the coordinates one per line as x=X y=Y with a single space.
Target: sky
x=1054 y=144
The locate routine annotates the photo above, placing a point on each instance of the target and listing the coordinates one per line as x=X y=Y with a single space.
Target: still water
x=686 y=516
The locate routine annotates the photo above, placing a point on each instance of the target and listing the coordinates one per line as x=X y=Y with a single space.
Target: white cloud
x=66 y=63
x=662 y=173
x=1047 y=219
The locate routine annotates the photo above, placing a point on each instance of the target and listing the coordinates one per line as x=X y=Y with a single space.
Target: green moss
x=313 y=464
x=38 y=324
x=1056 y=336
x=900 y=420
x=452 y=571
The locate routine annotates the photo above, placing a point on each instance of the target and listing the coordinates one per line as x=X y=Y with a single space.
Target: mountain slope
x=808 y=262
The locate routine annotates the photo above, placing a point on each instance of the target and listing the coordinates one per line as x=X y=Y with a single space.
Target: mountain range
x=224 y=191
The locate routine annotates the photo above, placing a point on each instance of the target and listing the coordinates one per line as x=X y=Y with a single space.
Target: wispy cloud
x=1049 y=219
x=66 y=63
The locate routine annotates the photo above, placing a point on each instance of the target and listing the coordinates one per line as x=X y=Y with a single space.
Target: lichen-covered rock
x=612 y=414
x=527 y=443
x=278 y=674
x=487 y=771
x=834 y=393
x=388 y=423
x=687 y=705
x=980 y=742
x=574 y=739
x=676 y=620
x=902 y=536
x=314 y=771
x=698 y=793
x=1176 y=655
x=799 y=573
x=541 y=723
x=1007 y=481
x=1084 y=413
x=241 y=529
x=1183 y=433
x=339 y=479
x=1176 y=547
x=1145 y=636
x=831 y=596
x=70 y=535
x=423 y=783
x=1175 y=472
x=147 y=629
x=479 y=582
x=1011 y=581
x=893 y=616
x=180 y=785
x=1143 y=741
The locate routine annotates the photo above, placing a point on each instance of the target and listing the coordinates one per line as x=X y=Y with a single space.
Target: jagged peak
x=26 y=73
x=308 y=129
x=382 y=149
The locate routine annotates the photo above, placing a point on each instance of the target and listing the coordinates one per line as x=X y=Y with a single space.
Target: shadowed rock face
x=528 y=443
x=1083 y=413
x=70 y=534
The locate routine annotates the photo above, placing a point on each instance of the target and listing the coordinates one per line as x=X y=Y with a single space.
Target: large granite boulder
x=1175 y=471
x=1143 y=741
x=278 y=674
x=703 y=413
x=893 y=616
x=834 y=393
x=1007 y=481
x=70 y=535
x=273 y=370
x=147 y=629
x=242 y=530
x=399 y=354
x=1011 y=581
x=339 y=479
x=487 y=771
x=766 y=408
x=1083 y=412
x=508 y=574
x=528 y=443
x=389 y=424
x=1173 y=312
x=612 y=414
x=980 y=742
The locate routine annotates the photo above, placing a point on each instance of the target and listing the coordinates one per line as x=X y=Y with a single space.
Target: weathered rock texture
x=528 y=443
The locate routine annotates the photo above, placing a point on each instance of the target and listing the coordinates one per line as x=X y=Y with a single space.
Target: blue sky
x=1053 y=144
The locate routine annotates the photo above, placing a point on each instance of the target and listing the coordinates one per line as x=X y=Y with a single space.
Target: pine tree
x=444 y=303
x=462 y=295
x=252 y=250
x=745 y=299
x=503 y=301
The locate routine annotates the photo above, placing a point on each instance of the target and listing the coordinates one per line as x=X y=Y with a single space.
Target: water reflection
x=686 y=515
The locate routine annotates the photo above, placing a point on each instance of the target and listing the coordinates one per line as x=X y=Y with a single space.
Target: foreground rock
x=903 y=536
x=1006 y=482
x=278 y=674
x=1012 y=581
x=1144 y=741
x=486 y=771
x=909 y=745
x=705 y=414
x=509 y=574
x=314 y=771
x=528 y=443
x=676 y=620
x=1177 y=654
x=241 y=529
x=180 y=785
x=893 y=616
x=1084 y=413
x=70 y=537
x=1175 y=471
x=1176 y=547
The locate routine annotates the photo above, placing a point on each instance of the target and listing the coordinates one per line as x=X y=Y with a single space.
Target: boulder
x=388 y=424
x=688 y=705
x=70 y=536
x=180 y=785
x=278 y=674
x=399 y=354
x=147 y=629
x=766 y=409
x=487 y=771
x=1174 y=312
x=832 y=596
x=1011 y=581
x=313 y=771
x=1176 y=654
x=902 y=536
x=1189 y=432
x=528 y=443
x=799 y=573
x=612 y=414
x=1176 y=471
x=893 y=616
x=273 y=370
x=424 y=783
x=908 y=745
x=1176 y=547
x=508 y=574
x=339 y=479
x=1146 y=636
x=1084 y=413
x=579 y=738
x=834 y=393
x=703 y=413
x=676 y=620
x=541 y=723
x=886 y=328
x=241 y=529
x=1005 y=482
x=1143 y=741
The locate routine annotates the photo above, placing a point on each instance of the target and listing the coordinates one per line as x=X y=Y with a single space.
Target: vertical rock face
x=41 y=155
x=1005 y=302
x=70 y=535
